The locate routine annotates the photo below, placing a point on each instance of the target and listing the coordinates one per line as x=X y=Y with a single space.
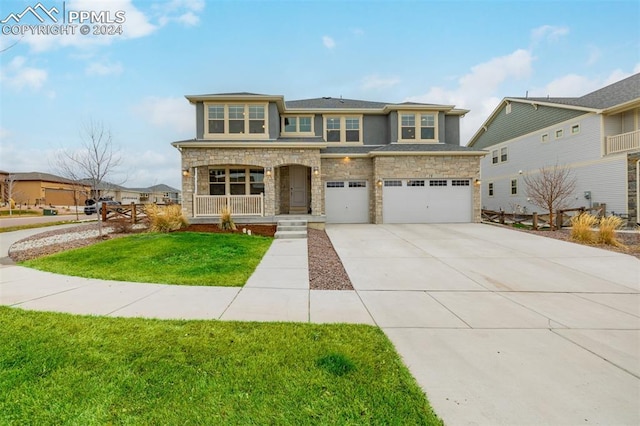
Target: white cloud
x=189 y=19
x=548 y=33
x=328 y=42
x=594 y=54
x=18 y=75
x=478 y=89
x=375 y=82
x=173 y=112
x=104 y=68
x=575 y=85
x=182 y=11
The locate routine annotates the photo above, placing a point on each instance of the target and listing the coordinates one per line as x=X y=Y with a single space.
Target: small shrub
x=122 y=226
x=165 y=219
x=607 y=230
x=581 y=228
x=226 y=222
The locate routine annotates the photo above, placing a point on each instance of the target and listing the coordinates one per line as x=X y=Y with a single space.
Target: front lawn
x=187 y=258
x=65 y=369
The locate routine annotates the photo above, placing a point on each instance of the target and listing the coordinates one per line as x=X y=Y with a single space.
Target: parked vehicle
x=92 y=206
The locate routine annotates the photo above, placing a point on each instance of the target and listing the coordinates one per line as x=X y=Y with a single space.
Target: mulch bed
x=263 y=230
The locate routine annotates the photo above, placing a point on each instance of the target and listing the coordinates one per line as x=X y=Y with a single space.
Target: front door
x=298 y=180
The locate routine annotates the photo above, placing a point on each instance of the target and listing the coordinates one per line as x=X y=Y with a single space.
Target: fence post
x=103 y=212
x=603 y=210
x=502 y=218
x=559 y=219
x=133 y=212
x=534 y=221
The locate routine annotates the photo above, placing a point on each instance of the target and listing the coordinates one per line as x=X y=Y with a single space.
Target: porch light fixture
x=379 y=182
x=316 y=171
x=477 y=181
x=185 y=172
x=267 y=171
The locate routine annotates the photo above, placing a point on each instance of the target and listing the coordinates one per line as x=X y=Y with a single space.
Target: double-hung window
x=418 y=127
x=236 y=120
x=343 y=129
x=236 y=181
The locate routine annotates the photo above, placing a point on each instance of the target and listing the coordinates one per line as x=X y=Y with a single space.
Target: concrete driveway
x=503 y=327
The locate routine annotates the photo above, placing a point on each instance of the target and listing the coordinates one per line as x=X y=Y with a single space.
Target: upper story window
x=503 y=154
x=297 y=124
x=236 y=120
x=343 y=128
x=416 y=127
x=499 y=156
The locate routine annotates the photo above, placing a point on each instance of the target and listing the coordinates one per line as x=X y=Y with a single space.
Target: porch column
x=270 y=194
x=317 y=200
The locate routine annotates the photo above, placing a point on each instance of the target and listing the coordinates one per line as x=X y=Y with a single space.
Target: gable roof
x=605 y=100
x=332 y=103
x=44 y=177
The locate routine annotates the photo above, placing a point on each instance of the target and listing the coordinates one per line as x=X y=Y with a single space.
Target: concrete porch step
x=291 y=229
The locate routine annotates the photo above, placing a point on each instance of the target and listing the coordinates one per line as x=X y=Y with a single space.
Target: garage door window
x=335 y=184
x=438 y=182
x=359 y=184
x=392 y=183
x=460 y=182
x=415 y=183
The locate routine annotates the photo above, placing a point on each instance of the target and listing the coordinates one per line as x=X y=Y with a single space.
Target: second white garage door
x=426 y=201
x=347 y=201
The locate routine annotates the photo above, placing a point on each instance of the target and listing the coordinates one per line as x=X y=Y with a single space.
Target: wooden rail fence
x=562 y=217
x=132 y=212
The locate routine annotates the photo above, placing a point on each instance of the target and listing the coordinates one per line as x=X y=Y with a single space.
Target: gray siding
x=199 y=120
x=274 y=121
x=393 y=126
x=375 y=130
x=522 y=120
x=317 y=125
x=442 y=127
x=452 y=130
x=605 y=177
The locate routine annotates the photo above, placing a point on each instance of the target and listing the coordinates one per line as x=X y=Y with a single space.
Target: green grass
x=187 y=258
x=16 y=212
x=65 y=369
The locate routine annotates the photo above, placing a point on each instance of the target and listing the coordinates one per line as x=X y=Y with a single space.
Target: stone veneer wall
x=426 y=166
x=203 y=158
x=352 y=169
x=632 y=189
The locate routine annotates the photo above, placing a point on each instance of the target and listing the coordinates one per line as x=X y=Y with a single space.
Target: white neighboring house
x=597 y=136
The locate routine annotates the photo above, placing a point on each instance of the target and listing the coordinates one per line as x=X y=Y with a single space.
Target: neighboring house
x=597 y=136
x=333 y=159
x=35 y=188
x=160 y=194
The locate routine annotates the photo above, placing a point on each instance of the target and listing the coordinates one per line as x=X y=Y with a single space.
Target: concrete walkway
x=498 y=326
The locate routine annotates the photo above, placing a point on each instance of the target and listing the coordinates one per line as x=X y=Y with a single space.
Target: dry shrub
x=165 y=219
x=607 y=231
x=226 y=222
x=581 y=228
x=121 y=226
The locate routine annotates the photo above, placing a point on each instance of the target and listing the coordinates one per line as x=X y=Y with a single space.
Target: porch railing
x=241 y=205
x=623 y=142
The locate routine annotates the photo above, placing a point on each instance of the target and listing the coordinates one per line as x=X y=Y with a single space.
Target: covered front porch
x=255 y=186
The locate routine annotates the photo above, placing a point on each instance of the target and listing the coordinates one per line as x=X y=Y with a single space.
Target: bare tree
x=10 y=191
x=550 y=189
x=92 y=163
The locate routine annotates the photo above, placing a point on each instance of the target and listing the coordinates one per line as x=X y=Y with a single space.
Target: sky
x=470 y=54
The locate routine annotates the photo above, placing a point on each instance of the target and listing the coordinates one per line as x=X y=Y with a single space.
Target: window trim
x=343 y=128
x=495 y=158
x=283 y=132
x=575 y=126
x=543 y=136
x=504 y=157
x=247 y=120
x=559 y=133
x=491 y=189
x=417 y=126
x=512 y=187
x=227 y=178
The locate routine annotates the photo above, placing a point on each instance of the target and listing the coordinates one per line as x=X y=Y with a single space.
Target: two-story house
x=596 y=136
x=330 y=159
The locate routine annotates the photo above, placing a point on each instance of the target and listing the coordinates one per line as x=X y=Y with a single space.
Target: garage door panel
x=347 y=201
x=427 y=201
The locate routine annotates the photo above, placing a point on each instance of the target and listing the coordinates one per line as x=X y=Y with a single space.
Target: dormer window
x=236 y=120
x=417 y=127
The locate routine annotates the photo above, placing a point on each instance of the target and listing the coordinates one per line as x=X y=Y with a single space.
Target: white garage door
x=426 y=201
x=347 y=201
